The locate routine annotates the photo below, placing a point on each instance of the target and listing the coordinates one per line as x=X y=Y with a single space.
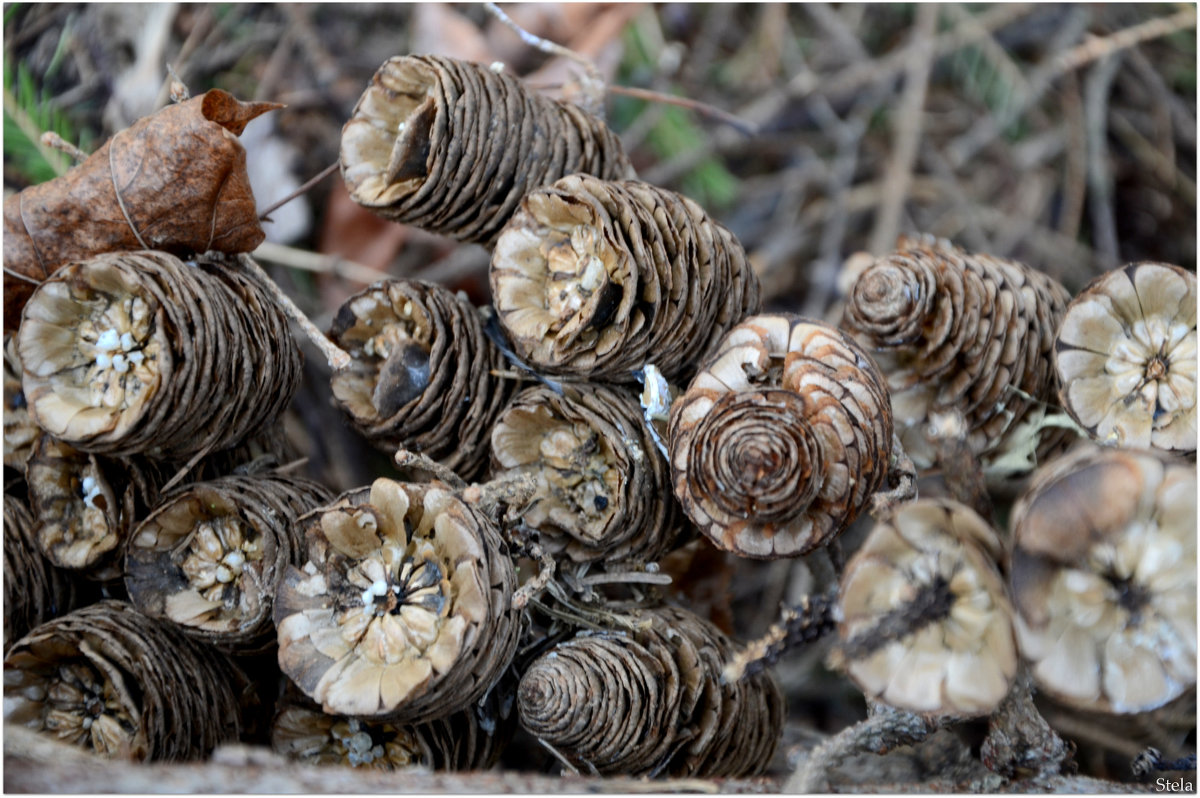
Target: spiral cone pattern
x=142 y=353
x=109 y=679
x=597 y=278
x=452 y=146
x=957 y=332
x=652 y=702
x=780 y=440
x=423 y=374
x=210 y=557
x=601 y=486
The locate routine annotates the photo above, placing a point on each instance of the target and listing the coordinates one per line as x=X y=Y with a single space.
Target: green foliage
x=709 y=182
x=1181 y=74
x=980 y=81
x=27 y=115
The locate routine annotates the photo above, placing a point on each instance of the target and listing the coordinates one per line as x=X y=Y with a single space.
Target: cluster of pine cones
x=167 y=574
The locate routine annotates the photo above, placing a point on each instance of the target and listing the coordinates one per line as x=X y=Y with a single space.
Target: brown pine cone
x=471 y=739
x=142 y=353
x=86 y=505
x=602 y=489
x=403 y=610
x=960 y=333
x=423 y=373
x=107 y=678
x=782 y=438
x=451 y=146
x=927 y=625
x=1126 y=357
x=34 y=590
x=19 y=429
x=651 y=702
x=1103 y=573
x=597 y=278
x=210 y=557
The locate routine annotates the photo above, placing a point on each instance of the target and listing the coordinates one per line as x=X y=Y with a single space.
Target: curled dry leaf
x=140 y=352
x=423 y=373
x=403 y=609
x=109 y=679
x=652 y=702
x=470 y=739
x=452 y=147
x=597 y=278
x=34 y=590
x=175 y=180
x=19 y=429
x=956 y=332
x=210 y=557
x=782 y=438
x=1104 y=578
x=1126 y=357
x=602 y=489
x=927 y=625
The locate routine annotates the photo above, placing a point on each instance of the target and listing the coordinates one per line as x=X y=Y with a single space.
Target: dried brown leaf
x=175 y=180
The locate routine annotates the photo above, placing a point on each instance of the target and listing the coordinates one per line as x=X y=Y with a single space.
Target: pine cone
x=780 y=440
x=142 y=353
x=403 y=610
x=1104 y=578
x=34 y=590
x=652 y=702
x=927 y=625
x=86 y=505
x=602 y=489
x=452 y=147
x=108 y=678
x=210 y=557
x=597 y=278
x=19 y=429
x=958 y=333
x=1126 y=357
x=471 y=739
x=422 y=376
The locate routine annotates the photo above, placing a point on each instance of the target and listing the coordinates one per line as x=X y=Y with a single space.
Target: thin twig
x=1156 y=158
x=406 y=459
x=908 y=134
x=988 y=127
x=1088 y=731
x=593 y=84
x=885 y=729
x=845 y=82
x=534 y=587
x=199 y=30
x=25 y=278
x=56 y=142
x=741 y=125
x=335 y=357
x=810 y=620
x=1100 y=182
x=307 y=186
x=307 y=261
x=1183 y=118
x=1097 y=47
x=1074 y=184
x=625 y=577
